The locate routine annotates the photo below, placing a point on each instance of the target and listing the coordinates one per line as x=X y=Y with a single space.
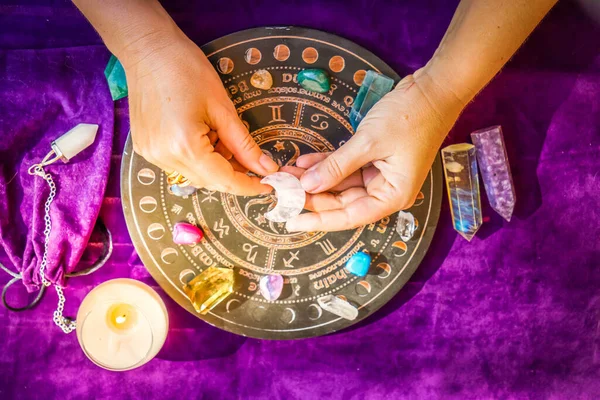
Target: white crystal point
x=290 y=196
x=337 y=306
x=406 y=225
x=75 y=141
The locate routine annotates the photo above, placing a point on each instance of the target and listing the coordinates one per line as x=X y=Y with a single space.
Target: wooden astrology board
x=286 y=121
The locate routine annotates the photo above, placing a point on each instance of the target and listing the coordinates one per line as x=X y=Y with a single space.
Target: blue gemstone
x=183 y=191
x=115 y=76
x=314 y=80
x=373 y=88
x=359 y=264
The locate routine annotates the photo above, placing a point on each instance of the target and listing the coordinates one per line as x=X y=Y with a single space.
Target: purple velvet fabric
x=513 y=314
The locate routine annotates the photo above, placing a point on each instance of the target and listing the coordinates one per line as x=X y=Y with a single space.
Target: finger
x=213 y=137
x=219 y=173
x=223 y=150
x=330 y=201
x=337 y=166
x=354 y=180
x=308 y=160
x=360 y=212
x=237 y=166
x=236 y=138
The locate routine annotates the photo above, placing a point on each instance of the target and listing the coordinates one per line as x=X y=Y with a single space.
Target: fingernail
x=268 y=163
x=310 y=180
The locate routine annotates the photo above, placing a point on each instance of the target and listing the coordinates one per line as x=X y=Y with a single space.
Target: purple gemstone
x=495 y=169
x=271 y=286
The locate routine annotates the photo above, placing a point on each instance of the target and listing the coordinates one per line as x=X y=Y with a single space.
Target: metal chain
x=66 y=324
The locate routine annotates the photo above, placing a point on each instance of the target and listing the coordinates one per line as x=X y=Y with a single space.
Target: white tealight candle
x=122 y=324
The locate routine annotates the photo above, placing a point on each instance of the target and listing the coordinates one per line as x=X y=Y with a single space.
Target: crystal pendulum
x=462 y=182
x=337 y=306
x=372 y=89
x=64 y=148
x=208 y=289
x=495 y=170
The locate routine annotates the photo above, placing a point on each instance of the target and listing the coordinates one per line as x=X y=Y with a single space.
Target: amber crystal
x=209 y=288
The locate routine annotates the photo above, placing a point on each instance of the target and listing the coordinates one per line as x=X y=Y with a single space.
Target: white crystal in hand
x=75 y=141
x=337 y=306
x=290 y=196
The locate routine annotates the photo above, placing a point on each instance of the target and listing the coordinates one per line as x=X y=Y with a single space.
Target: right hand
x=182 y=119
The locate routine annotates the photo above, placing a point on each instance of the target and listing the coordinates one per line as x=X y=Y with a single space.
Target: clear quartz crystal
x=406 y=225
x=372 y=89
x=75 y=141
x=337 y=306
x=462 y=182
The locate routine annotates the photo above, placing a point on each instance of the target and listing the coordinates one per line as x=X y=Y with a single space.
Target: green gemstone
x=115 y=76
x=315 y=80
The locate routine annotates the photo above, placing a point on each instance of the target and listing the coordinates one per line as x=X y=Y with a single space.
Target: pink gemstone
x=184 y=233
x=271 y=286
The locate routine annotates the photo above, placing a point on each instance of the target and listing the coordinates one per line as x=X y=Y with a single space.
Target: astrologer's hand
x=381 y=169
x=182 y=119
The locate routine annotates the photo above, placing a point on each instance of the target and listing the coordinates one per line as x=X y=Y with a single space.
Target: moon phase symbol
x=148 y=204
x=419 y=200
x=225 y=65
x=387 y=270
x=293 y=315
x=341 y=296
x=401 y=246
x=252 y=56
x=359 y=76
x=290 y=196
x=168 y=255
x=146 y=176
x=258 y=313
x=317 y=309
x=281 y=52
x=310 y=55
x=186 y=275
x=156 y=231
x=363 y=288
x=229 y=303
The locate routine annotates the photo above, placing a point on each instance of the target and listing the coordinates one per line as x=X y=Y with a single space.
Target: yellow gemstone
x=262 y=79
x=209 y=288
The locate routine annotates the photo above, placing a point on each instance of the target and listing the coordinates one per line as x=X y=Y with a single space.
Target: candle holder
x=122 y=324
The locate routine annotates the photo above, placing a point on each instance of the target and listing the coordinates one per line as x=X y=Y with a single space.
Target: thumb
x=236 y=138
x=337 y=166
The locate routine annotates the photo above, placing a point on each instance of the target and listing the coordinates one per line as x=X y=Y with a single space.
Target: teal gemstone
x=315 y=80
x=373 y=88
x=115 y=76
x=359 y=264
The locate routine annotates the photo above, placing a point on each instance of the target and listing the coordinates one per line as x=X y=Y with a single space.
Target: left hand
x=381 y=169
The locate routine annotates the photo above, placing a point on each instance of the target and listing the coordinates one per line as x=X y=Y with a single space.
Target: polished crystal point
x=337 y=306
x=183 y=191
x=209 y=288
x=115 y=76
x=462 y=182
x=314 y=80
x=271 y=286
x=372 y=89
x=406 y=225
x=495 y=170
x=262 y=79
x=184 y=233
x=75 y=141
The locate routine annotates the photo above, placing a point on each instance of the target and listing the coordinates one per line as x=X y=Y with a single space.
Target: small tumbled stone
x=315 y=80
x=182 y=191
x=337 y=306
x=406 y=225
x=271 y=286
x=262 y=79
x=115 y=76
x=359 y=264
x=184 y=233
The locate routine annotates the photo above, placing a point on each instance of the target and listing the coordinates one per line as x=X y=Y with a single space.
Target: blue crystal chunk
x=359 y=264
x=182 y=191
x=373 y=88
x=115 y=76
x=462 y=182
x=314 y=80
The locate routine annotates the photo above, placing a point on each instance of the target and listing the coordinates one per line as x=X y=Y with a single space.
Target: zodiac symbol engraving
x=249 y=248
x=293 y=256
x=327 y=247
x=176 y=209
x=221 y=228
x=209 y=195
x=381 y=226
x=276 y=114
x=323 y=125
